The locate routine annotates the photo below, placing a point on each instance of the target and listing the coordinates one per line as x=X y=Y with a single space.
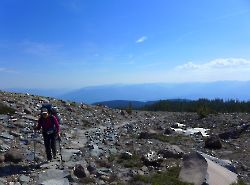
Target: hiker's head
x=44 y=112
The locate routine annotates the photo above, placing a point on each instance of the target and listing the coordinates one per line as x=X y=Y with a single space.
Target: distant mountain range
x=151 y=92
x=140 y=94
x=123 y=104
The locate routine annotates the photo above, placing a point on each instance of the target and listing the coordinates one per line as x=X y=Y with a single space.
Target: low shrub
x=6 y=110
x=168 y=177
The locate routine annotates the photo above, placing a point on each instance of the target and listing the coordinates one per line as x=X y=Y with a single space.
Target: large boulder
x=231 y=134
x=149 y=134
x=54 y=177
x=168 y=131
x=81 y=171
x=235 y=132
x=92 y=168
x=194 y=169
x=219 y=172
x=172 y=151
x=213 y=142
x=14 y=156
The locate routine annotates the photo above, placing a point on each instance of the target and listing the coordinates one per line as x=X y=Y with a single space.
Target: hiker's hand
x=58 y=137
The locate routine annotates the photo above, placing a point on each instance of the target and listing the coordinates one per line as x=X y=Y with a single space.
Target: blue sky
x=78 y=43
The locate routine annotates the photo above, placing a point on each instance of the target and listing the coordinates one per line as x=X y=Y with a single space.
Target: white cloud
x=141 y=40
x=215 y=70
x=221 y=63
x=189 y=65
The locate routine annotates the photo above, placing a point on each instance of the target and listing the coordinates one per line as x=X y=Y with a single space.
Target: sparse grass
x=6 y=110
x=87 y=180
x=169 y=177
x=134 y=161
x=73 y=104
x=112 y=158
x=203 y=111
x=86 y=123
x=240 y=182
x=172 y=139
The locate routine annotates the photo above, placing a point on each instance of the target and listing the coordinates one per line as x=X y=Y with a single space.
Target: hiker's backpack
x=52 y=110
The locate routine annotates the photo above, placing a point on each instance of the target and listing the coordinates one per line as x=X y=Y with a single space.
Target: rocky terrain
x=110 y=146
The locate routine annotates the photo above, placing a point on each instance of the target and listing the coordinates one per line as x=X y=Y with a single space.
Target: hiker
x=50 y=131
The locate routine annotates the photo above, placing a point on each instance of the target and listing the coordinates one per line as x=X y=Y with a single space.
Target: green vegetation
x=6 y=110
x=169 y=177
x=240 y=182
x=172 y=139
x=202 y=106
x=203 y=111
x=87 y=180
x=129 y=108
x=133 y=161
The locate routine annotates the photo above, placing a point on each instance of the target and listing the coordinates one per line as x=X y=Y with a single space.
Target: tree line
x=209 y=106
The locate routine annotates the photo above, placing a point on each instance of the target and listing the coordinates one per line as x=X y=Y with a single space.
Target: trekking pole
x=34 y=139
x=60 y=149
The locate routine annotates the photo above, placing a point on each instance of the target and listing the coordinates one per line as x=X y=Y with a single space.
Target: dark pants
x=50 y=144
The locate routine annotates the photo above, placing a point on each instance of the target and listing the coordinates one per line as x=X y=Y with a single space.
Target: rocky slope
x=109 y=146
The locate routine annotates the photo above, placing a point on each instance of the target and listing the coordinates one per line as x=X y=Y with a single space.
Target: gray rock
x=4 y=147
x=13 y=156
x=231 y=134
x=27 y=110
x=218 y=175
x=81 y=171
x=53 y=176
x=213 y=142
x=224 y=163
x=50 y=165
x=15 y=134
x=20 y=123
x=126 y=155
x=194 y=169
x=92 y=168
x=152 y=159
x=67 y=154
x=24 y=178
x=150 y=134
x=6 y=135
x=2 y=158
x=172 y=151
x=63 y=181
x=4 y=117
x=168 y=131
x=30 y=117
x=3 y=181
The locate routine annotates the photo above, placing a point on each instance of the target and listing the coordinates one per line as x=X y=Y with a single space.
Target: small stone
x=2 y=158
x=24 y=178
x=81 y=171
